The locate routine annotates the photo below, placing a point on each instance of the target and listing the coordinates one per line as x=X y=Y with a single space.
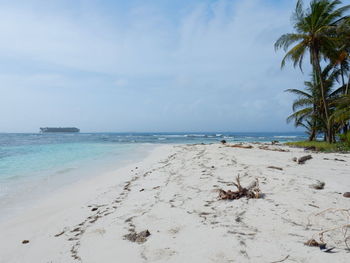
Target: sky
x=145 y=66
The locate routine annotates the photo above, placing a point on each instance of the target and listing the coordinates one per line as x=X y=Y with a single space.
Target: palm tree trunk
x=347 y=86
x=317 y=68
x=312 y=135
x=345 y=130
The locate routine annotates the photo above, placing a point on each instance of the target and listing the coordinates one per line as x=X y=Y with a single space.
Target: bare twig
x=285 y=258
x=275 y=167
x=266 y=148
x=343 y=228
x=240 y=146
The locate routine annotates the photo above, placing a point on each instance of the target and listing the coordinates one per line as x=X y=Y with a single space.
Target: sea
x=35 y=164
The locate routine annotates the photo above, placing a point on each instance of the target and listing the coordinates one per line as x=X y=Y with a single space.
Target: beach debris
x=338 y=235
x=346 y=194
x=295 y=159
x=223 y=141
x=303 y=159
x=322 y=246
x=328 y=250
x=140 y=237
x=285 y=258
x=335 y=159
x=266 y=148
x=310 y=148
x=319 y=185
x=251 y=191
x=275 y=167
x=240 y=145
x=274 y=142
x=94 y=209
x=312 y=243
x=25 y=241
x=141 y=190
x=314 y=205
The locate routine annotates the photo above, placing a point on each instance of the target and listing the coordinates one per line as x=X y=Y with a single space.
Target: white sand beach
x=173 y=194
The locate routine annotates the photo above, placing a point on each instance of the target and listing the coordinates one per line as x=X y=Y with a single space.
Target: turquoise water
x=32 y=165
x=28 y=159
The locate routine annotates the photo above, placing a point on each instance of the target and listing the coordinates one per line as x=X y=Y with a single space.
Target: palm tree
x=342 y=60
x=341 y=113
x=307 y=108
x=342 y=56
x=315 y=34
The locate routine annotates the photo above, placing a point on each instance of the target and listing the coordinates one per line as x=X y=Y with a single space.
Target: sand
x=173 y=194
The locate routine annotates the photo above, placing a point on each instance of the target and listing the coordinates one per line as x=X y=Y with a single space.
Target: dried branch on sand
x=251 y=191
x=266 y=148
x=275 y=167
x=338 y=234
x=285 y=258
x=240 y=146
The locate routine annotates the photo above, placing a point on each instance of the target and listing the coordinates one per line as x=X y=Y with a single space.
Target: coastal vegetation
x=322 y=35
x=321 y=146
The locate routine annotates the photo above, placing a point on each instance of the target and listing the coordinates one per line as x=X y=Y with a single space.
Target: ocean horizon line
x=164 y=132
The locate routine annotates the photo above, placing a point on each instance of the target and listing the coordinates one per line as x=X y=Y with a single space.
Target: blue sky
x=145 y=65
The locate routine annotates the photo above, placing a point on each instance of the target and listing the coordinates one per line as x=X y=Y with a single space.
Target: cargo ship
x=59 y=129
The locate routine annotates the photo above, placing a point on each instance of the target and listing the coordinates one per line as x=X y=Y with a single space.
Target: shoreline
x=173 y=194
x=31 y=189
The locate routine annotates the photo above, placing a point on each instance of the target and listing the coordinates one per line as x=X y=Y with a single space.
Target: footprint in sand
x=162 y=254
x=174 y=230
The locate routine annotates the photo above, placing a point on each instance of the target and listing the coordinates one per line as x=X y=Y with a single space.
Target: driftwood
x=251 y=191
x=266 y=148
x=275 y=167
x=303 y=159
x=310 y=148
x=240 y=146
x=336 y=159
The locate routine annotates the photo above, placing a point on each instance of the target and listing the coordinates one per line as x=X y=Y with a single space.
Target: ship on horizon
x=59 y=129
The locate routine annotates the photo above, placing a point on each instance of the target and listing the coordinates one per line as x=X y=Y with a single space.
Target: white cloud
x=215 y=59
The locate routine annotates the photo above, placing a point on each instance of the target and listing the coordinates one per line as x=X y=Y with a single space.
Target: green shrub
x=345 y=138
